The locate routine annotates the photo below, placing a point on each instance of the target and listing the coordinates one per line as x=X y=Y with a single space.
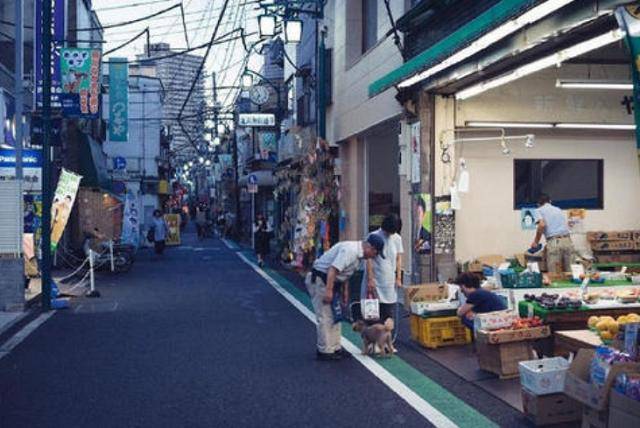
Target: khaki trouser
x=328 y=332
x=560 y=254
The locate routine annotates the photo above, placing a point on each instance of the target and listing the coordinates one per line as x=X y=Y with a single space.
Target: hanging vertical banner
x=57 y=40
x=80 y=74
x=629 y=20
x=63 y=201
x=415 y=152
x=118 y=99
x=424 y=221
x=131 y=219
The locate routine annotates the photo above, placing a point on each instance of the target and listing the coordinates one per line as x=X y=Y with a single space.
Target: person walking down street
x=262 y=238
x=329 y=276
x=552 y=223
x=201 y=221
x=160 y=231
x=383 y=275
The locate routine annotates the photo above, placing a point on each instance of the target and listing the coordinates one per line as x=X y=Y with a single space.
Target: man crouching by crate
x=479 y=300
x=329 y=276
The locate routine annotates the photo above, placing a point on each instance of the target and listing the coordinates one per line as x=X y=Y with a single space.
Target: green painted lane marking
x=444 y=401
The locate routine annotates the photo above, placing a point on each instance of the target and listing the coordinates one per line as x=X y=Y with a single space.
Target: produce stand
x=575 y=319
x=569 y=341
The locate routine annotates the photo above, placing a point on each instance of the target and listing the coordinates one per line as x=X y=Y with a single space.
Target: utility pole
x=215 y=103
x=46 y=155
x=19 y=92
x=236 y=173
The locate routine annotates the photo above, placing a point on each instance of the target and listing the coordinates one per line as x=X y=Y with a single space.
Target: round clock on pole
x=259 y=95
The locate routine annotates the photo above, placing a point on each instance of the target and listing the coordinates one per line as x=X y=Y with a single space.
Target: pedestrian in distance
x=383 y=275
x=552 y=223
x=262 y=237
x=201 y=221
x=329 y=277
x=160 y=230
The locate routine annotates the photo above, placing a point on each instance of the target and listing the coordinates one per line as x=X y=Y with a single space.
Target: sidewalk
x=453 y=368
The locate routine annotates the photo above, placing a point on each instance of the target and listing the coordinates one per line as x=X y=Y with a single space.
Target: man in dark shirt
x=479 y=301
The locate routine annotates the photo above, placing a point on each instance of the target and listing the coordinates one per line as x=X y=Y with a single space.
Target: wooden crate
x=502 y=359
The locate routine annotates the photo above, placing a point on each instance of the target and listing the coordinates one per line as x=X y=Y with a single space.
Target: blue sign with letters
x=119 y=163
x=30 y=158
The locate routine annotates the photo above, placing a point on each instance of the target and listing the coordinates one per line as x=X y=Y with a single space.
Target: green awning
x=460 y=38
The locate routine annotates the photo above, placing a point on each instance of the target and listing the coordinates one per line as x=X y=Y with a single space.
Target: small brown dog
x=376 y=334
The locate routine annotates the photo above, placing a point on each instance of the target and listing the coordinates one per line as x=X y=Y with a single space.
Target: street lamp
x=190 y=163
x=201 y=159
x=267 y=24
x=207 y=162
x=221 y=128
x=246 y=81
x=293 y=31
x=216 y=141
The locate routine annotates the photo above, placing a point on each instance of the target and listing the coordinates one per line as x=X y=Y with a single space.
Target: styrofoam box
x=545 y=376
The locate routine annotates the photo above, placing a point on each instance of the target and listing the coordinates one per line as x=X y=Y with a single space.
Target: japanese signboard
x=57 y=37
x=268 y=146
x=31 y=163
x=118 y=99
x=80 y=74
x=63 y=200
x=257 y=119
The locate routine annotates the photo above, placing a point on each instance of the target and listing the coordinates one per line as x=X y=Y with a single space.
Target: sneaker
x=261 y=263
x=328 y=356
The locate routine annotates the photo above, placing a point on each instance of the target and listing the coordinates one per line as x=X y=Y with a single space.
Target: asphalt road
x=197 y=339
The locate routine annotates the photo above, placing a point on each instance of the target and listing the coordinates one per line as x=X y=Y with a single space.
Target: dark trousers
x=159 y=247
x=467 y=323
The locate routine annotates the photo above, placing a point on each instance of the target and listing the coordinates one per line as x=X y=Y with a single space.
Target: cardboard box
x=503 y=359
x=493 y=260
x=505 y=336
x=622 y=235
x=550 y=409
x=613 y=245
x=475 y=267
x=425 y=293
x=623 y=411
x=494 y=320
x=578 y=386
x=594 y=418
x=618 y=258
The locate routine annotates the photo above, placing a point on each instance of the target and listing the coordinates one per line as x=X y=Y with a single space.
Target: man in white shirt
x=552 y=223
x=383 y=276
x=330 y=272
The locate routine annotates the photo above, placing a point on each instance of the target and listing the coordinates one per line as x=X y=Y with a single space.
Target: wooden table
x=569 y=341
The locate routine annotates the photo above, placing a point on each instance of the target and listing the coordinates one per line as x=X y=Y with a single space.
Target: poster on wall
x=268 y=146
x=527 y=219
x=63 y=201
x=415 y=152
x=80 y=74
x=131 y=219
x=423 y=217
x=173 y=236
x=118 y=99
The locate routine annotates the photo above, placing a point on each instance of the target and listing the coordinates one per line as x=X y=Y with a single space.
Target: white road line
x=414 y=400
x=8 y=346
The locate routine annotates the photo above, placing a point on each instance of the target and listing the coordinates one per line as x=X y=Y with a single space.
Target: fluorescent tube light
x=613 y=126
x=537 y=125
x=546 y=62
x=529 y=17
x=594 y=84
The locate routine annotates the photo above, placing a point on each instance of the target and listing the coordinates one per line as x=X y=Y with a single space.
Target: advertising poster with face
x=131 y=219
x=62 y=204
x=424 y=221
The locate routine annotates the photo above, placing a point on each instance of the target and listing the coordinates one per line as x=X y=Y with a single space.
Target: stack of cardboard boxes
x=617 y=246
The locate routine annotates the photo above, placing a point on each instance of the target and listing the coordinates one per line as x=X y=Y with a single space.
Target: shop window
x=571 y=183
x=369 y=24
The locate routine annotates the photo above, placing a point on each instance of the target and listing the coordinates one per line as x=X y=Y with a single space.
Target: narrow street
x=200 y=339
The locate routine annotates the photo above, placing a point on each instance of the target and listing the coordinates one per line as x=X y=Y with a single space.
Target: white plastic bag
x=370 y=309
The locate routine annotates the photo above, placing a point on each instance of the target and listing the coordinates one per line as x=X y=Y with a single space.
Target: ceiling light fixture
x=594 y=84
x=546 y=62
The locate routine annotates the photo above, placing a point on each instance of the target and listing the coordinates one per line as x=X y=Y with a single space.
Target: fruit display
x=554 y=301
x=522 y=323
x=608 y=328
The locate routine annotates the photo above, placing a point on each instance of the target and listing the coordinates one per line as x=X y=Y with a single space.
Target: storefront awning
x=471 y=38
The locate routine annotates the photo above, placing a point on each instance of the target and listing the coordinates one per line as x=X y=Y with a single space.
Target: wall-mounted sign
x=31 y=164
x=118 y=99
x=256 y=119
x=80 y=74
x=57 y=36
x=119 y=163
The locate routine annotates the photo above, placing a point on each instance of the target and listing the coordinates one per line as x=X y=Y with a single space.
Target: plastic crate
x=509 y=279
x=524 y=280
x=545 y=376
x=414 y=323
x=445 y=331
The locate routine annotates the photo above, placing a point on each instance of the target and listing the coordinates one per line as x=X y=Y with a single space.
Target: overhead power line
x=127 y=6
